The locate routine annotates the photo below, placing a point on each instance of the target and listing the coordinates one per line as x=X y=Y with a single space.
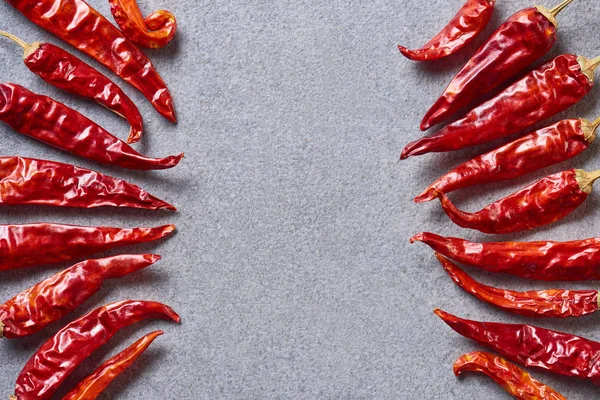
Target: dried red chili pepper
x=154 y=32
x=542 y=93
x=523 y=38
x=78 y=24
x=60 y=355
x=93 y=385
x=510 y=377
x=470 y=20
x=539 y=303
x=31 y=181
x=548 y=146
x=67 y=72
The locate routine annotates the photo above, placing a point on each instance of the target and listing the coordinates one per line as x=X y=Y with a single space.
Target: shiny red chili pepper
x=470 y=20
x=542 y=93
x=154 y=32
x=523 y=38
x=537 y=150
x=93 y=385
x=60 y=355
x=67 y=72
x=512 y=378
x=52 y=299
x=539 y=303
x=31 y=181
x=78 y=24
x=532 y=346
x=53 y=123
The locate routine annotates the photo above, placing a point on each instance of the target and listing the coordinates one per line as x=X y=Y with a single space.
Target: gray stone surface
x=291 y=267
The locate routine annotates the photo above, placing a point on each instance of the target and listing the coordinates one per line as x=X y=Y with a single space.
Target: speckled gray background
x=291 y=267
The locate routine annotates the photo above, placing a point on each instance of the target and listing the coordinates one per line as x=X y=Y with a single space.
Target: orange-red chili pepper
x=470 y=20
x=523 y=38
x=154 y=32
x=67 y=72
x=31 y=181
x=60 y=355
x=78 y=24
x=510 y=377
x=542 y=93
x=93 y=385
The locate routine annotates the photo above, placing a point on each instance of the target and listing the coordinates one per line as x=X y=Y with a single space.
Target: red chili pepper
x=532 y=346
x=512 y=378
x=537 y=150
x=38 y=244
x=154 y=32
x=60 y=355
x=539 y=303
x=470 y=20
x=31 y=181
x=523 y=38
x=542 y=93
x=93 y=385
x=54 y=298
x=78 y=24
x=67 y=72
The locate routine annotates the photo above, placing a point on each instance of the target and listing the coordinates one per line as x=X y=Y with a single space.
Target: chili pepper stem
x=588 y=66
x=596 y=123
x=28 y=48
x=586 y=179
x=556 y=10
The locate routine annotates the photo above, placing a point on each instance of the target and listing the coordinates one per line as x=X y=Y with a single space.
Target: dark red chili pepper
x=532 y=346
x=542 y=93
x=52 y=299
x=93 y=385
x=512 y=378
x=470 y=20
x=523 y=38
x=67 y=72
x=539 y=303
x=537 y=150
x=154 y=32
x=31 y=181
x=53 y=123
x=60 y=355
x=78 y=24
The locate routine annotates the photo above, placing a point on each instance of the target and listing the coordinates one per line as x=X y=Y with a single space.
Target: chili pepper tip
x=417 y=238
x=427 y=195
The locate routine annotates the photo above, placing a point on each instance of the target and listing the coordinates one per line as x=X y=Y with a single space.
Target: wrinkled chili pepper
x=93 y=385
x=60 y=355
x=470 y=20
x=539 y=303
x=31 y=181
x=78 y=24
x=548 y=146
x=543 y=202
x=523 y=38
x=542 y=93
x=67 y=72
x=52 y=299
x=53 y=123
x=154 y=32
x=532 y=346
x=510 y=377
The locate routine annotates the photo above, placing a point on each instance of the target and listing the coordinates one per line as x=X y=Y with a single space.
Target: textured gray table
x=291 y=267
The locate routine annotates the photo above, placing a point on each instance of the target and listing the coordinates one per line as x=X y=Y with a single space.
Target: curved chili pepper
x=67 y=72
x=52 y=299
x=154 y=32
x=78 y=24
x=470 y=20
x=542 y=93
x=523 y=38
x=532 y=346
x=510 y=377
x=53 y=123
x=31 y=181
x=539 y=303
x=93 y=385
x=548 y=146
